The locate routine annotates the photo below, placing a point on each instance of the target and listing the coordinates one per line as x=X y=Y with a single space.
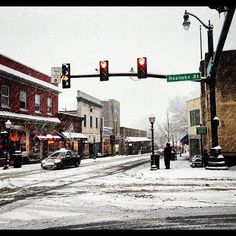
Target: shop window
x=22 y=141
x=14 y=137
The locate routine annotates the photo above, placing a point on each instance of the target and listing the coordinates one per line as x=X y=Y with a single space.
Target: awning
x=41 y=137
x=137 y=139
x=184 y=140
x=74 y=135
x=48 y=136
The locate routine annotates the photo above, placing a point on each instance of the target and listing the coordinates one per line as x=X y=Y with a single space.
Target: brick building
x=30 y=101
x=134 y=140
x=70 y=129
x=225 y=104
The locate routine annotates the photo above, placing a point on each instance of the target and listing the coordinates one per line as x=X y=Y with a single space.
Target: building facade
x=225 y=104
x=134 y=141
x=194 y=120
x=70 y=130
x=90 y=108
x=111 y=120
x=30 y=101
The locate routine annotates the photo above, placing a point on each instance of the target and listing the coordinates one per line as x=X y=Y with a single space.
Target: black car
x=173 y=156
x=61 y=159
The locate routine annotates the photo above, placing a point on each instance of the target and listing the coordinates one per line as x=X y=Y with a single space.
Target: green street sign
x=201 y=130
x=183 y=77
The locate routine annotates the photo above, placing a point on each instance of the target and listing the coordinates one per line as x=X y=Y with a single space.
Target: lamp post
x=152 y=120
x=210 y=79
x=8 y=128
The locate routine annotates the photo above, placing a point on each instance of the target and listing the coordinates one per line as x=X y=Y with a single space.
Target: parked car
x=196 y=161
x=61 y=159
x=173 y=156
x=99 y=154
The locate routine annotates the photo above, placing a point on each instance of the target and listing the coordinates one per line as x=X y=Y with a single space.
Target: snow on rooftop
x=29 y=117
x=29 y=78
x=137 y=139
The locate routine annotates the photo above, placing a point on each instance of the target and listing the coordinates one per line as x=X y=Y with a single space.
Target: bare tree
x=166 y=130
x=174 y=127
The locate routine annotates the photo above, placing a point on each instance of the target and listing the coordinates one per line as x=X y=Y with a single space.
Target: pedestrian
x=167 y=155
x=205 y=158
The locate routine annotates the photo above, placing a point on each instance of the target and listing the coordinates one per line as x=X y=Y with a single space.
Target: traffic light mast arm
x=119 y=74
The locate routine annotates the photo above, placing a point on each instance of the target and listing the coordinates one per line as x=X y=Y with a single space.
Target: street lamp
x=8 y=127
x=152 y=120
x=210 y=79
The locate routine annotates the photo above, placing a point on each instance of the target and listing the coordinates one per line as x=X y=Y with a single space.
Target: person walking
x=167 y=155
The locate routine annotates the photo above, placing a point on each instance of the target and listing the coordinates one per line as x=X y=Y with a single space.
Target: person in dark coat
x=167 y=155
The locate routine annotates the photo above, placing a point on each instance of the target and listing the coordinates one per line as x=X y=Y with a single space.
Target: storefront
x=76 y=142
x=45 y=144
x=13 y=141
x=23 y=135
x=135 y=145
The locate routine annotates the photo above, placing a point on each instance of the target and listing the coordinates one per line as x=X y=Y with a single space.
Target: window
x=91 y=121
x=49 y=106
x=22 y=99
x=96 y=122
x=5 y=96
x=37 y=103
x=195 y=117
x=85 y=122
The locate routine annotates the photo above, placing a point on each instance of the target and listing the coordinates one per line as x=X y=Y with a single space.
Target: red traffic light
x=142 y=67
x=104 y=70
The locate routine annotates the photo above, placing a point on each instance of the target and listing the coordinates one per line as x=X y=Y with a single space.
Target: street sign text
x=183 y=77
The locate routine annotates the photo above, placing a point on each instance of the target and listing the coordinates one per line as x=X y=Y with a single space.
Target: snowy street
x=119 y=192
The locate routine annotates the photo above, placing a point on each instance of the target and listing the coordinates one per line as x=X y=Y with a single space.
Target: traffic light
x=104 y=71
x=65 y=77
x=142 y=67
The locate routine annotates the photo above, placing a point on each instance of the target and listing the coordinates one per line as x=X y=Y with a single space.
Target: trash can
x=157 y=160
x=17 y=159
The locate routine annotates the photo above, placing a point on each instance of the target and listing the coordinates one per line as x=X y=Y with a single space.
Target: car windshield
x=57 y=155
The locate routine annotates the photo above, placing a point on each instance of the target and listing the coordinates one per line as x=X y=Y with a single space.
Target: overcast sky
x=45 y=37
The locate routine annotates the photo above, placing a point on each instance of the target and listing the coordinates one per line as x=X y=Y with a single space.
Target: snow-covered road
x=119 y=192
